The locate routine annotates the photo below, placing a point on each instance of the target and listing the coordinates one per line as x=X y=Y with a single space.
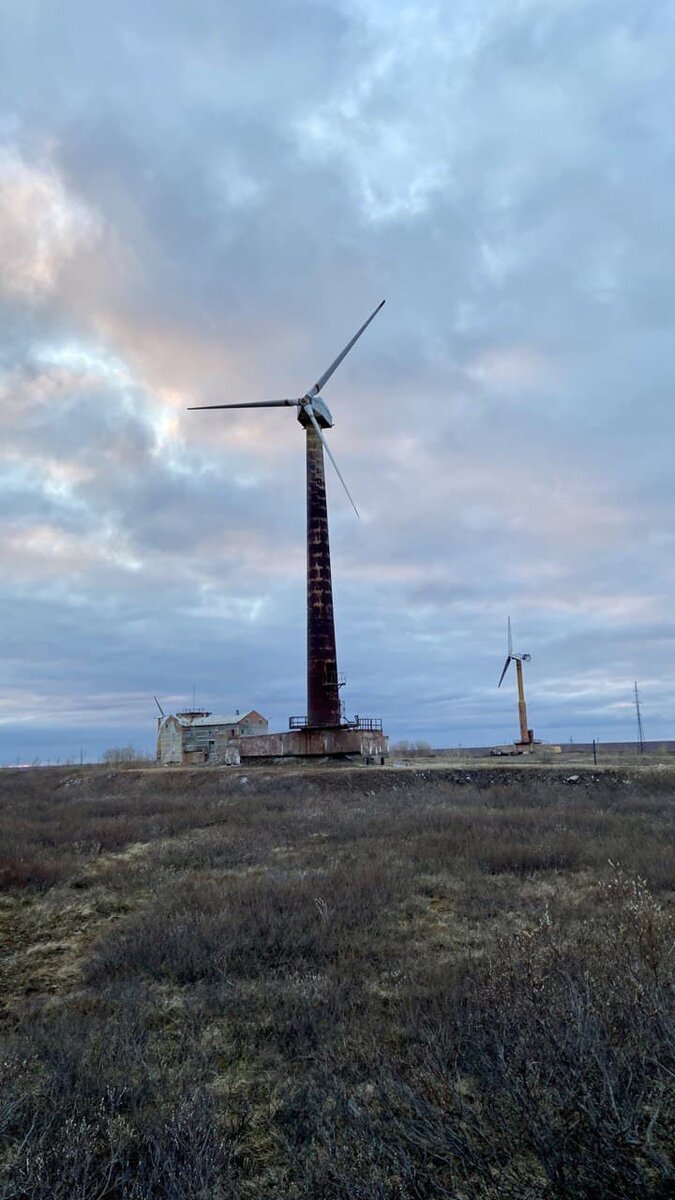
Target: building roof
x=211 y=719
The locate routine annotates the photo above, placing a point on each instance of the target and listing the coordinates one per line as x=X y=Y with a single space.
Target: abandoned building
x=198 y=737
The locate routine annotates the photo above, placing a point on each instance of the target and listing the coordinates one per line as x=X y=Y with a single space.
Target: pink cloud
x=42 y=226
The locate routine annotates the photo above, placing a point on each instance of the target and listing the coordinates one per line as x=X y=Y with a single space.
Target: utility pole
x=640 y=731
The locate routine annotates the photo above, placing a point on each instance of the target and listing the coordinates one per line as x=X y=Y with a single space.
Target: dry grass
x=387 y=984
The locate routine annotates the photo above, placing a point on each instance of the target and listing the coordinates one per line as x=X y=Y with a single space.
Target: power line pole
x=640 y=731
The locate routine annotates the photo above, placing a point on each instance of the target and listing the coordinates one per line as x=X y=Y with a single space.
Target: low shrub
x=97 y=1103
x=383 y=985
x=207 y=928
x=543 y=1071
x=19 y=872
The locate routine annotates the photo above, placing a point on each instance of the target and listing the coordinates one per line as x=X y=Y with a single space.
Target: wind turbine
x=525 y=733
x=323 y=699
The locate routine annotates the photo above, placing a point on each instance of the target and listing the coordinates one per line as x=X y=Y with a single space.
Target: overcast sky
x=200 y=203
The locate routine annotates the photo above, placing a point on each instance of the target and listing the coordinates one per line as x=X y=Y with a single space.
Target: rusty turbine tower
x=323 y=698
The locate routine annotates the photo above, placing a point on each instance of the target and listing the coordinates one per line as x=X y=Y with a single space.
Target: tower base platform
x=311 y=742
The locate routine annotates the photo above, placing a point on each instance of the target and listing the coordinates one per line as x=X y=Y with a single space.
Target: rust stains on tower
x=323 y=700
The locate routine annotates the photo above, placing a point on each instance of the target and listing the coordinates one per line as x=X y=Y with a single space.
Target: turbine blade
x=333 y=367
x=252 y=404
x=324 y=443
x=506 y=667
x=510 y=642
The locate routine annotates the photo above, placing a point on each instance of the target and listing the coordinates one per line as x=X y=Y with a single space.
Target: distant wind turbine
x=525 y=734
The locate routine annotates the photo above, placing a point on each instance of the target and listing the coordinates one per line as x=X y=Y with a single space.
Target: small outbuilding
x=197 y=737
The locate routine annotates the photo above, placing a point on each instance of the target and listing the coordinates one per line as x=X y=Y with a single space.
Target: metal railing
x=367 y=724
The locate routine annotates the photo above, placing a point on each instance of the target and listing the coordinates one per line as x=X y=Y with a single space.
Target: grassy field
x=337 y=983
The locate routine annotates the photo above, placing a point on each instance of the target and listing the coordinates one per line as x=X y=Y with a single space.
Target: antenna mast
x=640 y=731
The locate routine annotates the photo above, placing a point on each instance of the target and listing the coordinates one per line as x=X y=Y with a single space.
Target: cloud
x=41 y=227
x=202 y=206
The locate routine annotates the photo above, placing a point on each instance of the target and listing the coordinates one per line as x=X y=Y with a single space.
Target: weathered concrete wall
x=314 y=742
x=263 y=746
x=170 y=743
x=374 y=744
x=226 y=756
x=194 y=758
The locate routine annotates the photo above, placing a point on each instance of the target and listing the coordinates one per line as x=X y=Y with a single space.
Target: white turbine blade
x=333 y=367
x=251 y=404
x=510 y=642
x=506 y=667
x=324 y=443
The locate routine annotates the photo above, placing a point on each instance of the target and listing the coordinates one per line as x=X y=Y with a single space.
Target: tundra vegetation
x=340 y=984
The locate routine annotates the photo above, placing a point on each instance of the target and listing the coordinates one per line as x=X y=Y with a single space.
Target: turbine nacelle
x=311 y=408
x=316 y=405
x=511 y=655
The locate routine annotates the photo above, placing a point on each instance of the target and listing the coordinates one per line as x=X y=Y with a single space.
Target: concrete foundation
x=315 y=743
